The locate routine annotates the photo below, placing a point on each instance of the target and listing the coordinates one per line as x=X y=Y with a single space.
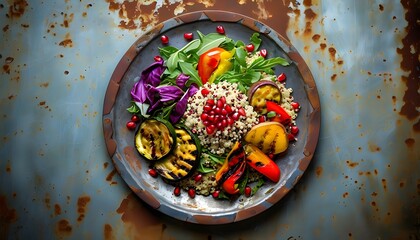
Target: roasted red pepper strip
x=208 y=62
x=235 y=155
x=230 y=184
x=282 y=116
x=257 y=159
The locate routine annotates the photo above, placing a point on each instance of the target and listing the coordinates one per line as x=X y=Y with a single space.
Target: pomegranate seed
x=224 y=123
x=235 y=116
x=291 y=137
x=219 y=125
x=212 y=112
x=220 y=29
x=223 y=99
x=153 y=173
x=206 y=123
x=211 y=118
x=281 y=77
x=248 y=191
x=204 y=116
x=294 y=130
x=217 y=110
x=242 y=112
x=131 y=125
x=215 y=194
x=263 y=53
x=198 y=177
x=164 y=39
x=207 y=108
x=188 y=36
x=261 y=119
x=250 y=47
x=157 y=58
x=205 y=92
x=135 y=118
x=191 y=192
x=230 y=121
x=210 y=102
x=177 y=191
x=210 y=129
x=295 y=106
x=228 y=109
x=220 y=103
x=271 y=156
x=224 y=112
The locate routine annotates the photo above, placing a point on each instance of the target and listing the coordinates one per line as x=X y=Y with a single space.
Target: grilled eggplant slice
x=183 y=159
x=155 y=138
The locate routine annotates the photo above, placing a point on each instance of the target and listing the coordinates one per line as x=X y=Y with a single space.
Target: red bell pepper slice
x=208 y=62
x=282 y=116
x=258 y=160
x=235 y=155
x=230 y=185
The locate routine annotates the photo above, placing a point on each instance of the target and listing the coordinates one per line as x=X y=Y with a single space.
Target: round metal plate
x=134 y=169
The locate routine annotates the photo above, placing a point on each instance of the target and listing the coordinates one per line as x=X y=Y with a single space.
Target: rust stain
x=7 y=217
x=410 y=142
x=345 y=195
x=6 y=28
x=322 y=46
x=47 y=201
x=318 y=171
x=410 y=62
x=6 y=68
x=67 y=42
x=57 y=209
x=332 y=52
x=106 y=164
x=67 y=19
x=351 y=164
x=373 y=147
x=44 y=84
x=384 y=185
x=110 y=176
x=333 y=77
x=108 y=232
x=316 y=37
x=82 y=203
x=381 y=7
x=8 y=167
x=140 y=221
x=63 y=228
x=17 y=9
x=307 y=3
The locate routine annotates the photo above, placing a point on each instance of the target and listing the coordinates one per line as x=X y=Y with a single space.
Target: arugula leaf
x=209 y=41
x=188 y=69
x=133 y=109
x=261 y=64
x=201 y=168
x=194 y=44
x=240 y=55
x=174 y=59
x=243 y=182
x=217 y=159
x=255 y=40
x=259 y=184
x=167 y=51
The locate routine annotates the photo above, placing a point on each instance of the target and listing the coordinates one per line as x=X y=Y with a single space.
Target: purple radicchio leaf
x=149 y=76
x=164 y=94
x=181 y=105
x=181 y=80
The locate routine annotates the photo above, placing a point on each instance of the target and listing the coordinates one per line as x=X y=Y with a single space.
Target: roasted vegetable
x=270 y=137
x=235 y=155
x=155 y=138
x=281 y=115
x=183 y=159
x=208 y=62
x=230 y=185
x=259 y=161
x=262 y=91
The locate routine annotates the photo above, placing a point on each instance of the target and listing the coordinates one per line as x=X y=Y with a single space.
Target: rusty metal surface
x=57 y=181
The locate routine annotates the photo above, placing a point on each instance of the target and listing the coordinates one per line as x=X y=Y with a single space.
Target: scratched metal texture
x=57 y=180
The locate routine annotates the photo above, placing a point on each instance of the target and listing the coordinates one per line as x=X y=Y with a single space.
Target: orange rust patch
x=67 y=19
x=333 y=77
x=410 y=142
x=140 y=221
x=67 y=42
x=108 y=232
x=57 y=209
x=352 y=164
x=82 y=203
x=110 y=176
x=44 y=84
x=373 y=147
x=316 y=37
x=63 y=228
x=7 y=217
x=318 y=171
x=322 y=46
x=346 y=194
x=384 y=185
x=17 y=9
x=381 y=7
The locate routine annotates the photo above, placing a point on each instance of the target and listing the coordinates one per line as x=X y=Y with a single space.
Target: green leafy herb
x=209 y=41
x=133 y=109
x=256 y=40
x=243 y=181
x=259 y=184
x=189 y=69
x=167 y=51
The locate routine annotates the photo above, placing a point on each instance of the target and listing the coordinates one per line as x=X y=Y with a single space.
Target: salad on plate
x=213 y=117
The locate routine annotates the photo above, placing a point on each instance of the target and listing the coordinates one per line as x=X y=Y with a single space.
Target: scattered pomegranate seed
x=135 y=118
x=215 y=194
x=228 y=109
x=271 y=156
x=177 y=191
x=281 y=77
x=210 y=129
x=241 y=112
x=198 y=177
x=263 y=53
x=220 y=29
x=250 y=47
x=164 y=39
x=204 y=116
x=235 y=116
x=205 y=92
x=188 y=36
x=157 y=58
x=191 y=192
x=210 y=102
x=295 y=106
x=294 y=130
x=131 y=125
x=248 y=191
x=291 y=137
x=153 y=173
x=261 y=118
